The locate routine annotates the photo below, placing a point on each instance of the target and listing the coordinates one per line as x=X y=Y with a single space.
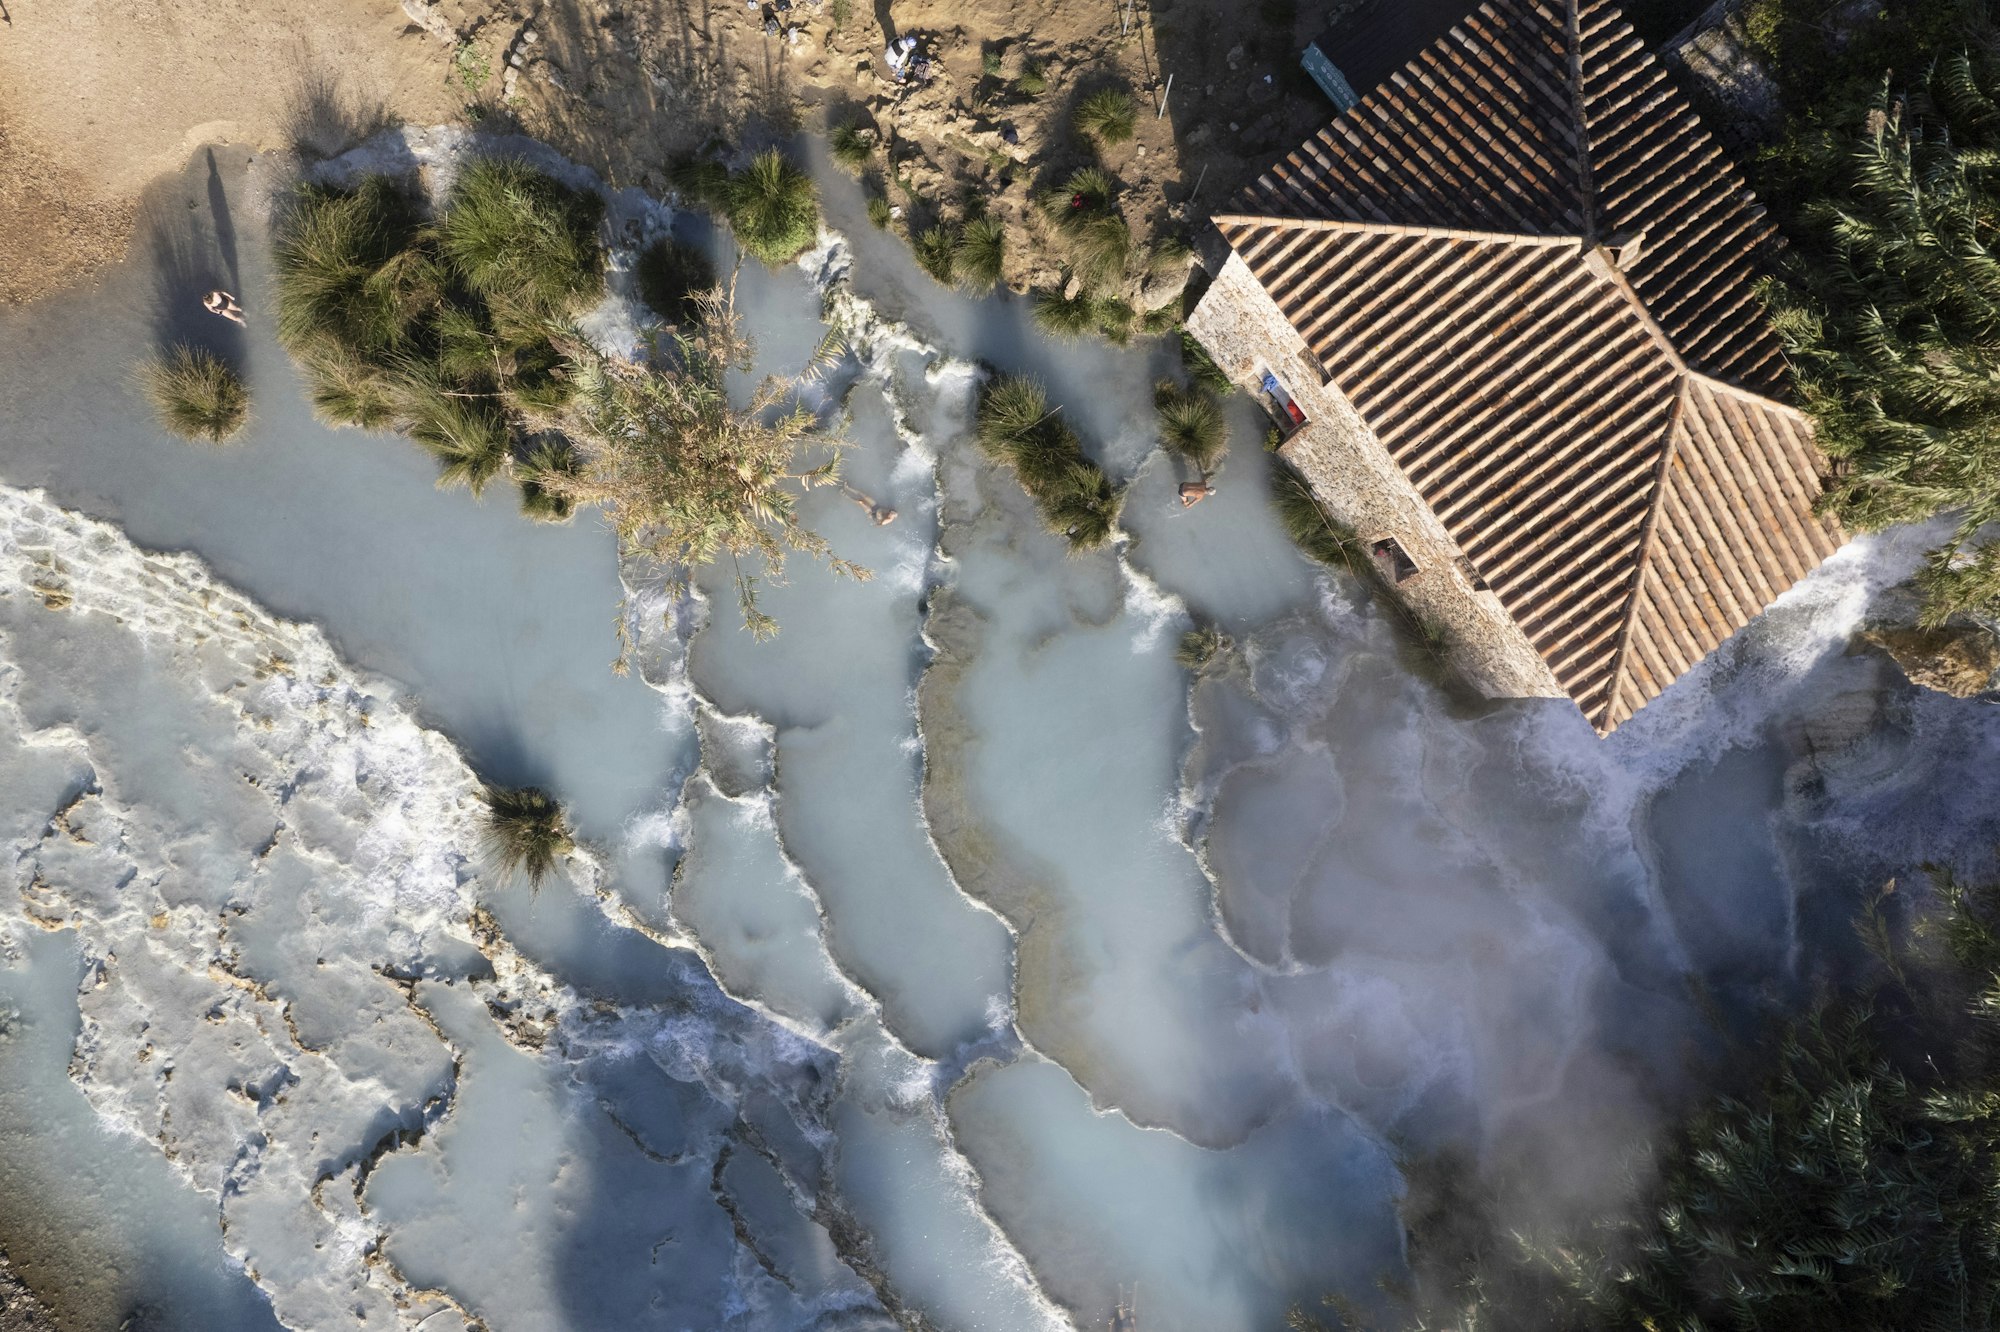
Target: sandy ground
x=97 y=97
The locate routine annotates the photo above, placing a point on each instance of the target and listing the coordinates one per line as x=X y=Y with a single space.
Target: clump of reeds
x=1312 y=529
x=446 y=329
x=522 y=240
x=1066 y=317
x=1202 y=647
x=526 y=832
x=1201 y=367
x=853 y=146
x=878 y=211
x=196 y=394
x=540 y=475
x=936 y=251
x=1094 y=232
x=773 y=207
x=672 y=275
x=1192 y=423
x=1107 y=115
x=1017 y=426
x=980 y=254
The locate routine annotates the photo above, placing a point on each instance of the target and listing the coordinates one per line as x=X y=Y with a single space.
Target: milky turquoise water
x=957 y=957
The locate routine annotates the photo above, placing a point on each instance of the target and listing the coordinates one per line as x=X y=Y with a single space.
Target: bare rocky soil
x=629 y=84
x=19 y=1310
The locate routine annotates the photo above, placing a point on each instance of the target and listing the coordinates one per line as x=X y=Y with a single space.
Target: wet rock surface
x=1960 y=658
x=20 y=1311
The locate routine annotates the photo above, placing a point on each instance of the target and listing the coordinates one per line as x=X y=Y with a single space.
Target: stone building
x=1504 y=310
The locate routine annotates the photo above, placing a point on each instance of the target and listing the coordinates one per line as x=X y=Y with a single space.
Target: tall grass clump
x=853 y=147
x=196 y=394
x=672 y=275
x=1202 y=647
x=1095 y=234
x=981 y=253
x=1201 y=367
x=773 y=208
x=445 y=329
x=526 y=832
x=1107 y=115
x=1066 y=317
x=1192 y=424
x=1018 y=427
x=522 y=240
x=935 y=249
x=542 y=498
x=1312 y=529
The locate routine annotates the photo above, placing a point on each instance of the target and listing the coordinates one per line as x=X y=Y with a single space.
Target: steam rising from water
x=1055 y=974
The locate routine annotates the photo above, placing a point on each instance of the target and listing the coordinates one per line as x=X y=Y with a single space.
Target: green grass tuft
x=935 y=249
x=981 y=253
x=878 y=211
x=1061 y=317
x=524 y=241
x=1202 y=647
x=1191 y=424
x=1017 y=426
x=1107 y=115
x=541 y=501
x=671 y=274
x=196 y=394
x=1031 y=81
x=1201 y=367
x=526 y=833
x=773 y=208
x=853 y=146
x=1314 y=531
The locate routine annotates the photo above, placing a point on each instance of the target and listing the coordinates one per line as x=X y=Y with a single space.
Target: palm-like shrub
x=1191 y=424
x=526 y=832
x=1017 y=426
x=671 y=275
x=523 y=240
x=1085 y=210
x=773 y=208
x=1892 y=314
x=1107 y=115
x=686 y=476
x=196 y=394
x=981 y=253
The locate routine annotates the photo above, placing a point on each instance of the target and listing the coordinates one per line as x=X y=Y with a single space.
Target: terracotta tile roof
x=1530 y=269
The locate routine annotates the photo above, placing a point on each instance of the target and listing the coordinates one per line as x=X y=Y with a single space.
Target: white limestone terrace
x=1052 y=973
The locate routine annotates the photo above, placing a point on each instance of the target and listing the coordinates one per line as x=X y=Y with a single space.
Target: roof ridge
x=1522 y=238
x=1751 y=396
x=1586 y=189
x=1648 y=540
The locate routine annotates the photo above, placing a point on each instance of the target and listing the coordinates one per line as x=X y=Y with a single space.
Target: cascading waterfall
x=952 y=959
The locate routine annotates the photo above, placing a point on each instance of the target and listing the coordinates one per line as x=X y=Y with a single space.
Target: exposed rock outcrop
x=1960 y=658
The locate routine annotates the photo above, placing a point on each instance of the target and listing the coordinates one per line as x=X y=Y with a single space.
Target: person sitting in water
x=222 y=303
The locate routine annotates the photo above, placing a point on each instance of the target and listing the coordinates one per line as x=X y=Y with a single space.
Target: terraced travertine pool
x=954 y=958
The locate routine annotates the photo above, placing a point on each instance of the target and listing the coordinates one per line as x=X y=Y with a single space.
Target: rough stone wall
x=1355 y=478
